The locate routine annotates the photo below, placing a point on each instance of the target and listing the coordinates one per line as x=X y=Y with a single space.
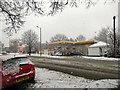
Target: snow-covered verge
x=94 y=58
x=52 y=79
x=45 y=55
x=105 y=83
x=87 y=57
x=102 y=58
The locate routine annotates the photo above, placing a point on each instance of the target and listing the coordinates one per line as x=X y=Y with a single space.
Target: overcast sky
x=71 y=22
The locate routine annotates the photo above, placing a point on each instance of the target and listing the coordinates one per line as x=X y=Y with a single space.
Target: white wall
x=93 y=51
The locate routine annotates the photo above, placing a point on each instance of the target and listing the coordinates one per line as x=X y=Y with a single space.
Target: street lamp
x=40 y=38
x=114 y=17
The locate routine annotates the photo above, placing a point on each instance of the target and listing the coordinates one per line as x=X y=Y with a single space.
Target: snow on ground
x=52 y=79
x=45 y=55
x=95 y=58
x=102 y=58
x=105 y=83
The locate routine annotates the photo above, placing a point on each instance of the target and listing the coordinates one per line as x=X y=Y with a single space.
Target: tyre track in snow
x=83 y=68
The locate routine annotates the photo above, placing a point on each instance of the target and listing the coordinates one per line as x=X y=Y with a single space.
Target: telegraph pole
x=114 y=35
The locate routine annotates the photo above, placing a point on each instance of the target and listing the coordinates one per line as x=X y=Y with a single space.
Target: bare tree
x=14 y=45
x=30 y=39
x=13 y=12
x=59 y=37
x=117 y=41
x=103 y=35
x=80 y=38
x=106 y=35
x=71 y=39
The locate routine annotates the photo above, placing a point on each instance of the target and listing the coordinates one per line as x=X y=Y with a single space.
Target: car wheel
x=32 y=80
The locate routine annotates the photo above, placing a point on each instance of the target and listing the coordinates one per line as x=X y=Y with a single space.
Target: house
x=98 y=49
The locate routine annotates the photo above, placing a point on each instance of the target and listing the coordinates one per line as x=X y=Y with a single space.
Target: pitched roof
x=99 y=44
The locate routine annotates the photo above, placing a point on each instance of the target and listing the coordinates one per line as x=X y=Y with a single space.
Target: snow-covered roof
x=99 y=44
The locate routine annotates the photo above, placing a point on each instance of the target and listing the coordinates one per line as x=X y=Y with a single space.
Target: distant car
x=15 y=70
x=4 y=52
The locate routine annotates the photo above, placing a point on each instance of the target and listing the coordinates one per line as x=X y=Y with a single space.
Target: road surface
x=78 y=66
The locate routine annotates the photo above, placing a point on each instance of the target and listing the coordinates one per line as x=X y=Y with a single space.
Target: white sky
x=71 y=22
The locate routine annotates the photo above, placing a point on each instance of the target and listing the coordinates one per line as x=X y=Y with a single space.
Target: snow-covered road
x=51 y=79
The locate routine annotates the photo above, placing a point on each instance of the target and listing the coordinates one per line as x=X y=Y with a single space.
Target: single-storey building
x=70 y=48
x=98 y=49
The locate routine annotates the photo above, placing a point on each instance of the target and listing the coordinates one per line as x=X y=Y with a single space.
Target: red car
x=15 y=69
